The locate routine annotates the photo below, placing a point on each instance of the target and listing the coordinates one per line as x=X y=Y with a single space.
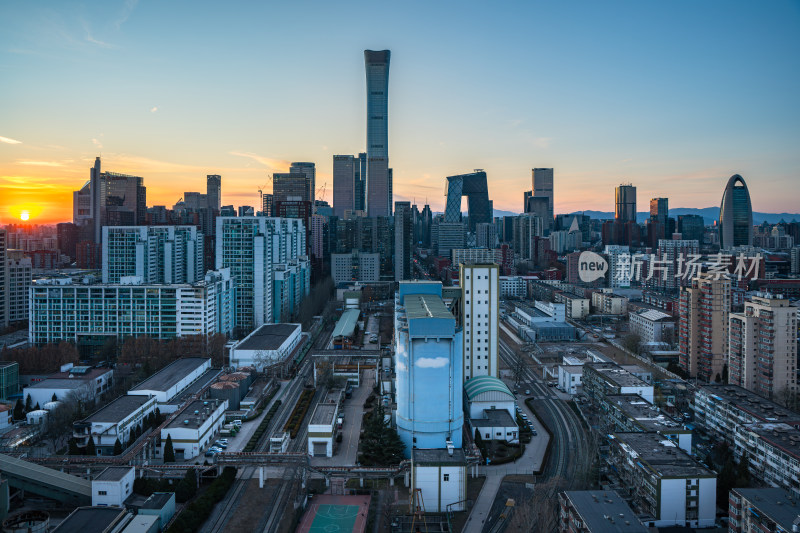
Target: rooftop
x=142 y=523
x=172 y=374
x=782 y=436
x=654 y=315
x=114 y=473
x=86 y=373
x=195 y=420
x=646 y=414
x=268 y=337
x=117 y=410
x=494 y=418
x=617 y=375
x=604 y=511
x=481 y=384
x=660 y=455
x=437 y=456
x=323 y=414
x=59 y=383
x=774 y=503
x=346 y=326
x=158 y=500
x=204 y=380
x=425 y=306
x=572 y=369
x=91 y=520
x=750 y=402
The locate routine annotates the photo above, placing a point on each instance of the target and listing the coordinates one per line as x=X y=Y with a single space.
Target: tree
x=58 y=428
x=37 y=407
x=91 y=449
x=117 y=447
x=540 y=511
x=631 y=342
x=380 y=445
x=19 y=410
x=28 y=403
x=73 y=447
x=186 y=487
x=54 y=398
x=169 y=451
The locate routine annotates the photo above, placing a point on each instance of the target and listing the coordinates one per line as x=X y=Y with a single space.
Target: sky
x=673 y=97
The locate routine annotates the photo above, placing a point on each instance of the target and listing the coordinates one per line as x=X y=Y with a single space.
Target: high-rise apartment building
x=378 y=189
x=155 y=254
x=480 y=301
x=526 y=228
x=3 y=280
x=251 y=247
x=485 y=235
x=703 y=327
x=19 y=274
x=214 y=191
x=672 y=255
x=762 y=350
x=403 y=242
x=542 y=179
x=625 y=204
x=735 y=215
x=309 y=173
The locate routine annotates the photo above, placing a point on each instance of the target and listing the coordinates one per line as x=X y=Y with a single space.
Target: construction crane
x=261 y=191
x=323 y=188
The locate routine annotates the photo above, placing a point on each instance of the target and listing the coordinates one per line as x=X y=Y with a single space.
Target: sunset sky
x=673 y=97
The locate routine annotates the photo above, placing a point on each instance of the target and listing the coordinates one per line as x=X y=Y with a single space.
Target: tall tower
x=735 y=215
x=659 y=209
x=378 y=192
x=402 y=241
x=3 y=282
x=344 y=184
x=309 y=170
x=703 y=328
x=543 y=187
x=480 y=300
x=97 y=190
x=625 y=204
x=214 y=191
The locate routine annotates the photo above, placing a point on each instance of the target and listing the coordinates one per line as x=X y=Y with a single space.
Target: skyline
x=646 y=94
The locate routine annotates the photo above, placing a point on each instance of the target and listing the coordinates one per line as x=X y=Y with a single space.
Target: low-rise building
x=113 y=486
x=652 y=325
x=441 y=476
x=772 y=452
x=576 y=307
x=628 y=413
x=762 y=510
x=195 y=428
x=94 y=520
x=570 y=378
x=665 y=485
x=596 y=511
x=604 y=379
x=513 y=287
x=605 y=302
x=80 y=383
x=166 y=384
x=268 y=345
x=495 y=424
x=160 y=504
x=117 y=421
x=322 y=425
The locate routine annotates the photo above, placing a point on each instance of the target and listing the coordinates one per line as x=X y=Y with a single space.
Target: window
x=101 y=493
x=446 y=477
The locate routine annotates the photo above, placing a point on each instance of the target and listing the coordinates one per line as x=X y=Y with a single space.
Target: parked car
x=211 y=453
x=527 y=392
x=533 y=432
x=222 y=445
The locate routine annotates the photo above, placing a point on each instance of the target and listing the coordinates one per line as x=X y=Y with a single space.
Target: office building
x=479 y=208
x=378 y=187
x=480 y=305
x=596 y=511
x=659 y=210
x=665 y=485
x=309 y=173
x=19 y=275
x=3 y=280
x=214 y=192
x=116 y=200
x=625 y=204
x=251 y=247
x=82 y=207
x=760 y=510
x=403 y=241
x=772 y=451
x=289 y=186
x=762 y=347
x=67 y=234
x=703 y=327
x=605 y=302
x=428 y=363
x=485 y=235
x=155 y=254
x=290 y=284
x=89 y=313
x=344 y=184
x=735 y=215
x=450 y=235
x=355 y=266
x=691 y=227
x=542 y=179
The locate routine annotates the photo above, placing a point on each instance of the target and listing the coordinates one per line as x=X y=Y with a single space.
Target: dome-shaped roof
x=481 y=384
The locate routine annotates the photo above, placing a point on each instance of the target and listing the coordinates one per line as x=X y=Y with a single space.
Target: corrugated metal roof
x=23 y=469
x=346 y=326
x=481 y=384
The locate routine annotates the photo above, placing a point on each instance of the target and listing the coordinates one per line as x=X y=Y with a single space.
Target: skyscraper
x=3 y=281
x=659 y=210
x=214 y=192
x=402 y=241
x=480 y=297
x=117 y=200
x=344 y=184
x=378 y=192
x=309 y=171
x=625 y=204
x=543 y=187
x=735 y=215
x=287 y=186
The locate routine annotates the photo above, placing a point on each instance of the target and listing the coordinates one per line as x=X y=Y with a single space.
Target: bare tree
x=540 y=511
x=58 y=426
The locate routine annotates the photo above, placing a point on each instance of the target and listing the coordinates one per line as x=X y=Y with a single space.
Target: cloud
x=153 y=109
x=9 y=141
x=541 y=142
x=431 y=362
x=275 y=164
x=97 y=143
x=127 y=9
x=41 y=163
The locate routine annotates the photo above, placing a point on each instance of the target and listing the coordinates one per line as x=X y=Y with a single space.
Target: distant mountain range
x=709 y=214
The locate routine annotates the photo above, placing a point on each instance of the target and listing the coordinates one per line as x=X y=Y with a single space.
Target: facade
x=449 y=235
x=195 y=429
x=772 y=451
x=268 y=345
x=428 y=362
x=403 y=241
x=116 y=421
x=703 y=326
x=9 y=379
x=763 y=510
x=19 y=275
x=80 y=383
x=471 y=255
x=762 y=347
x=735 y=215
x=90 y=313
x=625 y=204
x=491 y=408
x=251 y=247
x=356 y=266
x=607 y=303
x=485 y=235
x=629 y=413
x=474 y=187
x=652 y=325
x=309 y=173
x=322 y=425
x=3 y=282
x=156 y=254
x=441 y=477
x=290 y=284
x=170 y=381
x=674 y=254
x=604 y=379
x=378 y=181
x=289 y=187
x=513 y=287
x=570 y=378
x=113 y=486
x=542 y=181
x=596 y=511
x=214 y=192
x=480 y=306
x=662 y=481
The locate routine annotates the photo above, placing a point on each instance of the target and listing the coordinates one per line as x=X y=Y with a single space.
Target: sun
x=24 y=215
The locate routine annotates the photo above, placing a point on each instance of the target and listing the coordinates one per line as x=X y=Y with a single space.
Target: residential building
x=542 y=181
x=632 y=413
x=117 y=421
x=156 y=254
x=596 y=511
x=428 y=363
x=674 y=265
x=772 y=451
x=603 y=379
x=3 y=280
x=89 y=313
x=355 y=266
x=472 y=255
x=480 y=305
x=762 y=347
x=378 y=190
x=485 y=235
x=665 y=485
x=691 y=227
x=570 y=378
x=196 y=428
x=652 y=325
x=527 y=228
x=19 y=275
x=268 y=345
x=605 y=302
x=762 y=510
x=113 y=486
x=403 y=241
x=703 y=326
x=735 y=215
